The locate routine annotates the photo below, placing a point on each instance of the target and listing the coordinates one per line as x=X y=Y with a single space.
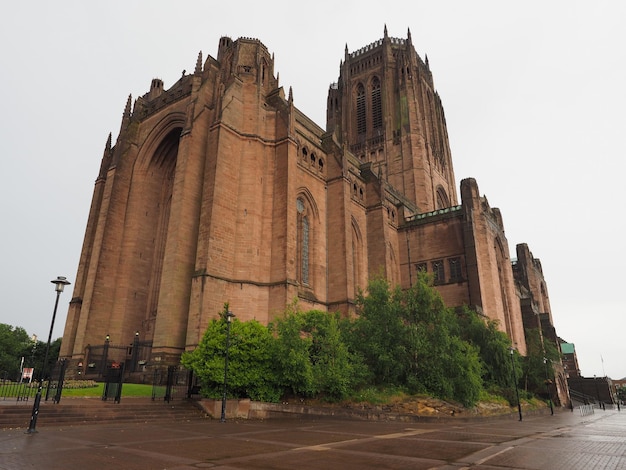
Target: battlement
x=374 y=45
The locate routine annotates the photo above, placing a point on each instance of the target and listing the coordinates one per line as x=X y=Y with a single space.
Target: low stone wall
x=234 y=408
x=248 y=409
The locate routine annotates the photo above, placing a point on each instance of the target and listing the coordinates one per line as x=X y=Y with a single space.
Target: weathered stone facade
x=219 y=189
x=532 y=291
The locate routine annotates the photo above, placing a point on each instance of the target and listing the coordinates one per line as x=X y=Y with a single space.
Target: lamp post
x=105 y=355
x=595 y=381
x=59 y=284
x=519 y=405
x=548 y=382
x=229 y=316
x=135 y=353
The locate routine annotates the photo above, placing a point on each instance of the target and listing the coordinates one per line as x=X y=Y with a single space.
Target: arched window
x=303 y=242
x=357 y=258
x=377 y=109
x=360 y=109
x=305 y=250
x=442 y=199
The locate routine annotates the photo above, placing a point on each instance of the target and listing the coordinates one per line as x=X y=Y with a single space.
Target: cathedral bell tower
x=386 y=112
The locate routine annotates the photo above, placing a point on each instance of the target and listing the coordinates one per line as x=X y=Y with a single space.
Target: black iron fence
x=25 y=389
x=173 y=382
x=18 y=391
x=100 y=358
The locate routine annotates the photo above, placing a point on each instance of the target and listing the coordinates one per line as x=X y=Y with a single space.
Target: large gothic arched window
x=303 y=242
x=360 y=109
x=377 y=109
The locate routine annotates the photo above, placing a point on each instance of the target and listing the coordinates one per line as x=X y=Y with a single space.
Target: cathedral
x=219 y=189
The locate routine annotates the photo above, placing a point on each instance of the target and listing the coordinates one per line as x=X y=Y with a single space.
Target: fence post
x=57 y=395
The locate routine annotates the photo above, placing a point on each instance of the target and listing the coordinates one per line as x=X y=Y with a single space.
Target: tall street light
x=59 y=284
x=229 y=316
x=519 y=405
x=548 y=382
x=595 y=381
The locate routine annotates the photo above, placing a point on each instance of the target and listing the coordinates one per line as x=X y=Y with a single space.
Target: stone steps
x=74 y=411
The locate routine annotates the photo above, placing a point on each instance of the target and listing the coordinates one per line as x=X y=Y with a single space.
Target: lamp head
x=59 y=283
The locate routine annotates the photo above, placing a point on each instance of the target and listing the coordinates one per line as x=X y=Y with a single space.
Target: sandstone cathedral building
x=219 y=190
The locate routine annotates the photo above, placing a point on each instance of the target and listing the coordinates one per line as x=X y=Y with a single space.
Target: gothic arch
x=310 y=200
x=148 y=208
x=167 y=127
x=392 y=266
x=500 y=261
x=442 y=198
x=358 y=261
x=307 y=220
x=361 y=109
x=376 y=103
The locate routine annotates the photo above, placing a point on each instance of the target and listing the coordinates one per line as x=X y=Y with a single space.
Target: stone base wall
x=248 y=409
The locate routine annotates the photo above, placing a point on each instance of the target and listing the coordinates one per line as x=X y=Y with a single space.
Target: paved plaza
x=566 y=440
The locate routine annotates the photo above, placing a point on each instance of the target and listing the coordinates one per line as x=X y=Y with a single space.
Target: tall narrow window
x=377 y=111
x=360 y=109
x=455 y=269
x=305 y=250
x=303 y=242
x=438 y=272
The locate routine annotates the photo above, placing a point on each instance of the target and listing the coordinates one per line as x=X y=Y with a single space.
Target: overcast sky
x=533 y=91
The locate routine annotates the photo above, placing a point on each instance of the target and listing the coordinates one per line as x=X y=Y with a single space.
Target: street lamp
x=548 y=382
x=105 y=355
x=519 y=405
x=59 y=284
x=229 y=316
x=595 y=381
x=135 y=352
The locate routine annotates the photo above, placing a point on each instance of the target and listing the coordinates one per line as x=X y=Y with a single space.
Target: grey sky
x=533 y=92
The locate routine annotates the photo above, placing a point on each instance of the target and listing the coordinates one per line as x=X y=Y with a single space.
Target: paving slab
x=566 y=440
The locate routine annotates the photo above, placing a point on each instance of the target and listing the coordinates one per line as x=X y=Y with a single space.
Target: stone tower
x=385 y=109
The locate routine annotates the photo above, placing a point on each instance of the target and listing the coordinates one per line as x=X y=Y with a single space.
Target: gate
x=55 y=383
x=173 y=382
x=113 y=383
x=100 y=358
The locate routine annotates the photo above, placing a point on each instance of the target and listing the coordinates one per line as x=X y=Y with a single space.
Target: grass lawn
x=9 y=389
x=128 y=390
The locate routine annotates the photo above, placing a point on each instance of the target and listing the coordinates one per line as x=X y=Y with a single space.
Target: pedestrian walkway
x=566 y=440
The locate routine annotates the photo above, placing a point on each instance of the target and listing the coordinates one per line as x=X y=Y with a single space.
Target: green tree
x=250 y=368
x=333 y=371
x=493 y=348
x=14 y=344
x=410 y=339
x=310 y=355
x=378 y=334
x=291 y=353
x=442 y=364
x=534 y=369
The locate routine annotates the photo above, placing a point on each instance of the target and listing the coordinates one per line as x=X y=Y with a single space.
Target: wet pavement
x=566 y=440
